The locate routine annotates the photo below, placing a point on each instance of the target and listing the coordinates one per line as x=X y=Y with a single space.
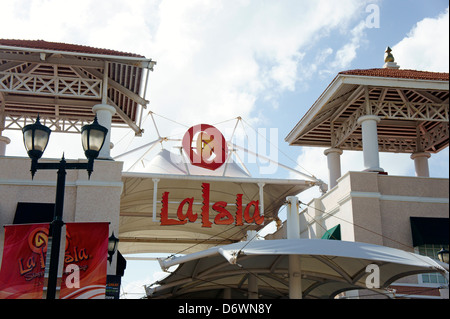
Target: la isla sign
x=250 y=214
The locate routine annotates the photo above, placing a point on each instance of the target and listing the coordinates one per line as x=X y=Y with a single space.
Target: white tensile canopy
x=140 y=208
x=328 y=267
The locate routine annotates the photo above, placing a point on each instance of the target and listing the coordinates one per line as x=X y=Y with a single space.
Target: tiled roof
x=400 y=73
x=57 y=46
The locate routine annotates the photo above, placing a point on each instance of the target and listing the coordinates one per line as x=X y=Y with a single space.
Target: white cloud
x=134 y=289
x=234 y=53
x=427 y=45
x=216 y=59
x=347 y=53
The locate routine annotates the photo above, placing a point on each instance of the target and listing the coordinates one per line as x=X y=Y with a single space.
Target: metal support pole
x=293 y=219
x=293 y=232
x=295 y=277
x=261 y=198
x=252 y=286
x=155 y=194
x=57 y=223
x=56 y=231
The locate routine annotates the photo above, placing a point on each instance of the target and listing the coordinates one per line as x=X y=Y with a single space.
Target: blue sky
x=264 y=60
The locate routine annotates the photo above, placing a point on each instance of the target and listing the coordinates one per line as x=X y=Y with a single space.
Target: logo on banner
x=205 y=146
x=37 y=243
x=23 y=262
x=25 y=252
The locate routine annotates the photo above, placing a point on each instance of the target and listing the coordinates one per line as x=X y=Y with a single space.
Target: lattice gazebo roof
x=413 y=107
x=62 y=82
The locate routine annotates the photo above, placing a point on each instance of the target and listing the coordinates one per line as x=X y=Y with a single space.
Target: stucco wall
x=375 y=208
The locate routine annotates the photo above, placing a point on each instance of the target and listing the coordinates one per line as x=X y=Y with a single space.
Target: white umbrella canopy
x=328 y=267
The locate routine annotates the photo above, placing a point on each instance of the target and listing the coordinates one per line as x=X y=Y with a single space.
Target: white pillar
x=295 y=277
x=334 y=165
x=104 y=117
x=316 y=209
x=261 y=198
x=3 y=139
x=227 y=293
x=155 y=199
x=370 y=142
x=421 y=163
x=3 y=142
x=293 y=232
x=292 y=218
x=252 y=286
x=443 y=291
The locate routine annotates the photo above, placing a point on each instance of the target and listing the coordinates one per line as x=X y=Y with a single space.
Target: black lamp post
x=36 y=138
x=443 y=255
x=113 y=241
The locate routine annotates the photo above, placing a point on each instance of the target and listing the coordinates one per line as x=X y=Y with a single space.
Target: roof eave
x=315 y=108
x=134 y=60
x=395 y=82
x=343 y=79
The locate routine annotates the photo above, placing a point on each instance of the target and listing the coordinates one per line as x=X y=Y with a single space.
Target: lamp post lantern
x=443 y=255
x=113 y=242
x=36 y=137
x=92 y=138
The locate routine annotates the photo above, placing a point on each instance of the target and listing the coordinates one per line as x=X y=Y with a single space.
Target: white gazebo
x=66 y=84
x=385 y=109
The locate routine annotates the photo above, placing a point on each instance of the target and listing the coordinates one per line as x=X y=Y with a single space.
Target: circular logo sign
x=205 y=146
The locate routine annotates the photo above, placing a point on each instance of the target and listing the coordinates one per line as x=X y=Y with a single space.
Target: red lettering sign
x=251 y=213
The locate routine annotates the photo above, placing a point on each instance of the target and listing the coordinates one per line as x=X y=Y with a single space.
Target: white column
x=316 y=209
x=370 y=142
x=334 y=165
x=252 y=286
x=421 y=163
x=155 y=199
x=261 y=198
x=292 y=218
x=227 y=293
x=3 y=142
x=3 y=139
x=295 y=277
x=293 y=232
x=443 y=291
x=104 y=117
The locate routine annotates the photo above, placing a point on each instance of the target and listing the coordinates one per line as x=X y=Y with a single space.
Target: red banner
x=23 y=262
x=85 y=261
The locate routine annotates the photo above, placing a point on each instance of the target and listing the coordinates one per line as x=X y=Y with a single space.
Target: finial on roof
x=388 y=57
x=389 y=60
